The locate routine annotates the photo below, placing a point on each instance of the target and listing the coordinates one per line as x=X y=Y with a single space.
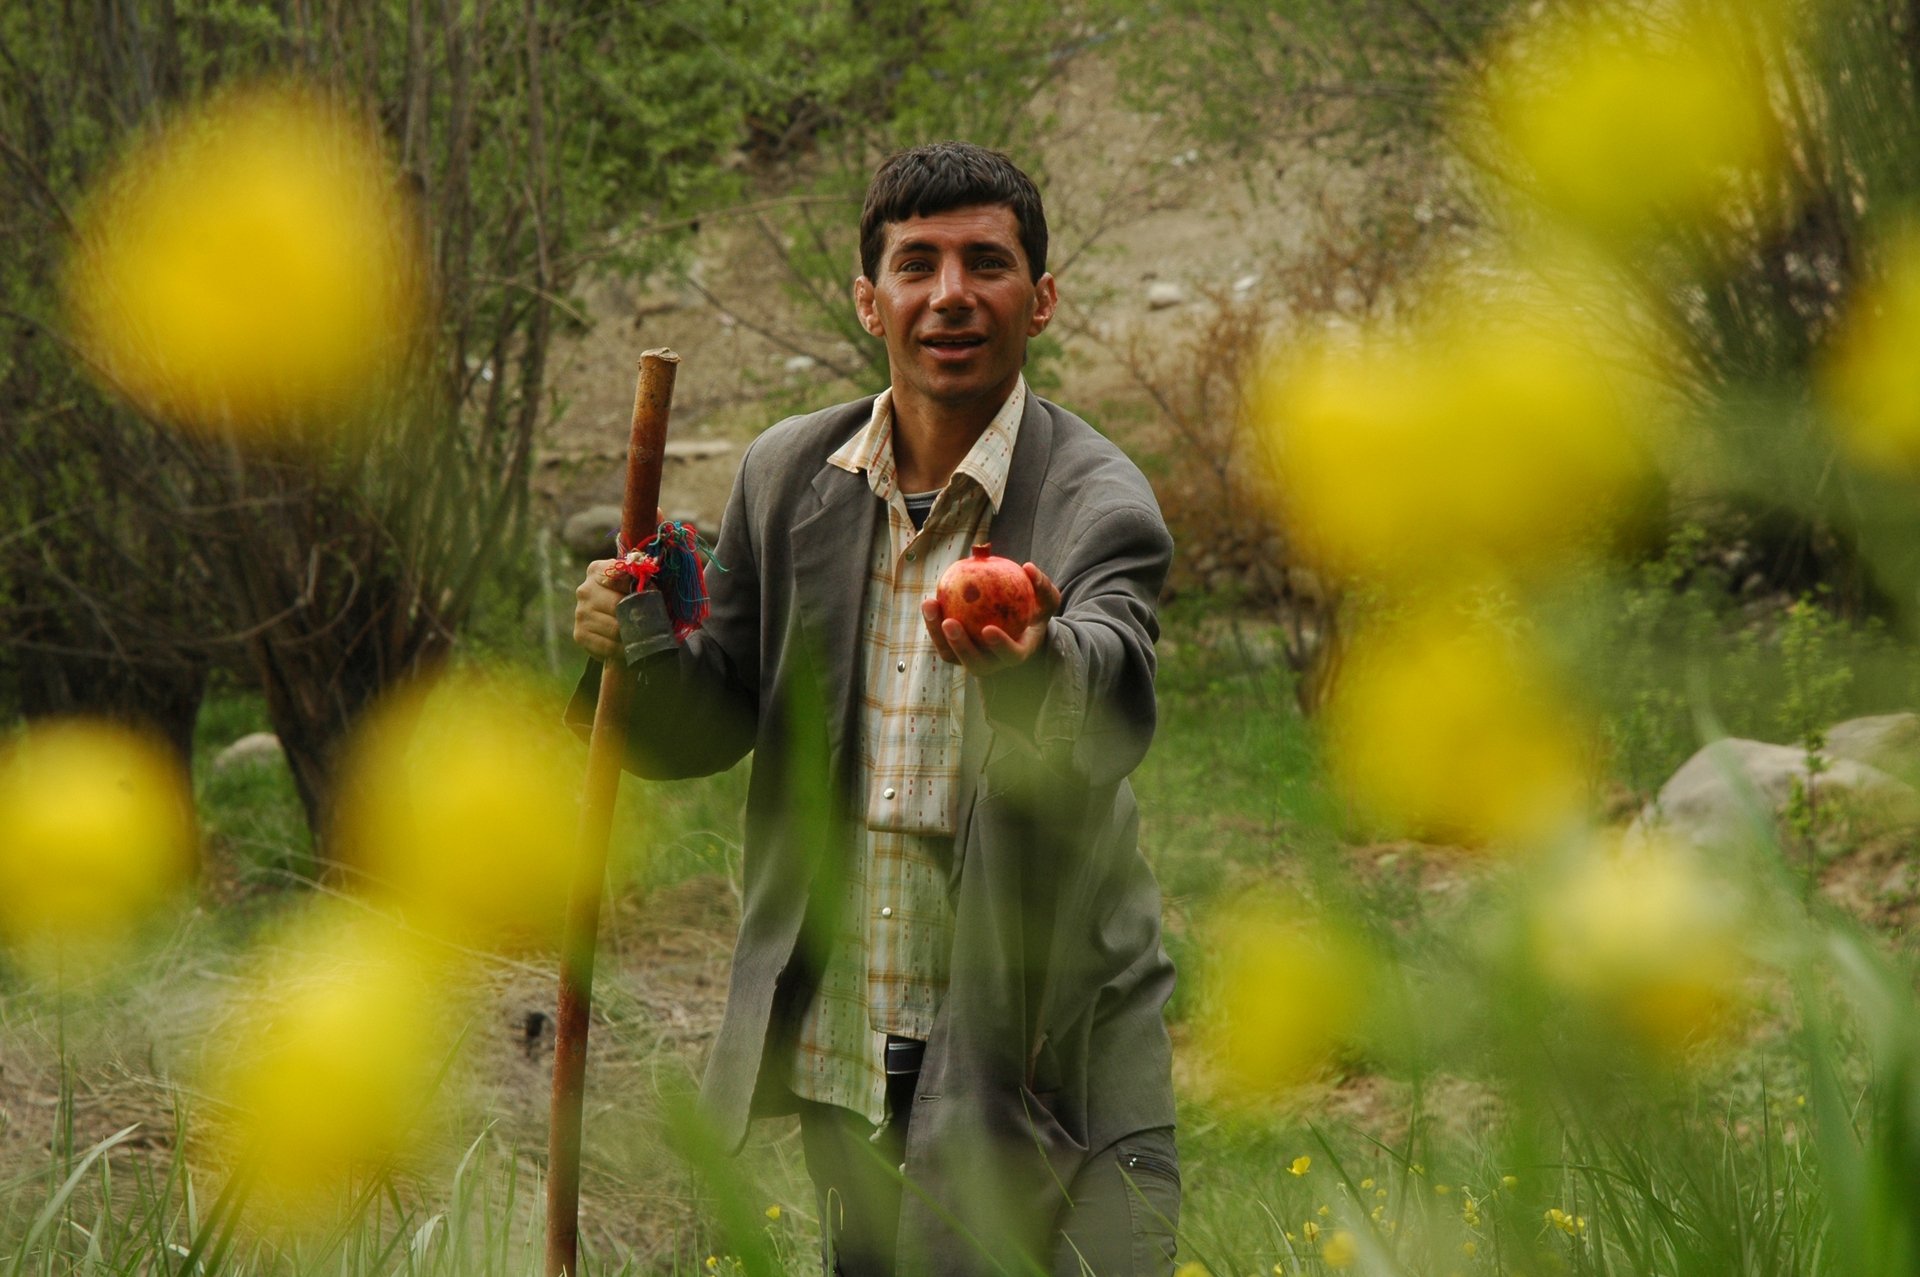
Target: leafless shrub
x=1215 y=480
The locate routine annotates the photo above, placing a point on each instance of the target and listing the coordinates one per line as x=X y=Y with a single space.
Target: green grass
x=1727 y=1164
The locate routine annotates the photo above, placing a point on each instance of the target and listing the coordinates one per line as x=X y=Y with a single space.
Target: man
x=949 y=960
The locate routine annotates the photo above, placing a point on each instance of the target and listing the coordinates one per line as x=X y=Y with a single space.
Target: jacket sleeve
x=695 y=709
x=1084 y=701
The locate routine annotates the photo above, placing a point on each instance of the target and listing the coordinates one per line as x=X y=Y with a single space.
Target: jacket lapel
x=831 y=549
x=1012 y=539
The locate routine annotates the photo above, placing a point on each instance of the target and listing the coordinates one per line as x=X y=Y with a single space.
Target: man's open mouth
x=955 y=342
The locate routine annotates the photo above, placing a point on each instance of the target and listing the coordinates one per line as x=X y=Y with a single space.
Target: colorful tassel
x=670 y=559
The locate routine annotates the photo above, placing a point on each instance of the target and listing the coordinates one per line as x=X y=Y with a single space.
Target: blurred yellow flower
x=96 y=831
x=1510 y=1181
x=1286 y=992
x=250 y=262
x=1448 y=731
x=1323 y=1212
x=1643 y=936
x=1622 y=128
x=1873 y=380
x=1341 y=1250
x=1192 y=1268
x=1493 y=438
x=773 y=1212
x=331 y=1064
x=1571 y=1225
x=459 y=804
x=1301 y=1165
x=1310 y=1231
x=1469 y=1249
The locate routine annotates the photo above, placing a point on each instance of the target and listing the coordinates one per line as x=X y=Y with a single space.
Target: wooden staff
x=606 y=749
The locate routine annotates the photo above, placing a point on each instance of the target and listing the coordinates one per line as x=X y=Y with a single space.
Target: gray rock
x=1890 y=742
x=1164 y=293
x=250 y=750
x=590 y=532
x=1701 y=805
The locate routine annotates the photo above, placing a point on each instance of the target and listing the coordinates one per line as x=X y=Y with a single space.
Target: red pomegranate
x=984 y=590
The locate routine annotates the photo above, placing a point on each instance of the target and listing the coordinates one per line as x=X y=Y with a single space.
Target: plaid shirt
x=888 y=965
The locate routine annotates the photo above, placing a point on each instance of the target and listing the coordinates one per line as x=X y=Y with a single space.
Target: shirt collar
x=870 y=450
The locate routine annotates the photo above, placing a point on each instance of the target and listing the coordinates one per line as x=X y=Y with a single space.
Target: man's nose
x=951 y=287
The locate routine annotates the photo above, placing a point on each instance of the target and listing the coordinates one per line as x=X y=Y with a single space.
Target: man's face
x=955 y=302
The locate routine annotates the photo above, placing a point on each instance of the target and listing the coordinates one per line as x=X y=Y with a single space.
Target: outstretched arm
x=1077 y=687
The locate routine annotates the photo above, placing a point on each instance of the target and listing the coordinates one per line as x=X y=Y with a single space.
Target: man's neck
x=932 y=438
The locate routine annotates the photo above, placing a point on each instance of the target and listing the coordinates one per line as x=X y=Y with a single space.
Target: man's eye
x=909 y=268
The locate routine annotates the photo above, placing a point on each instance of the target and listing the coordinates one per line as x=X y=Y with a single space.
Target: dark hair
x=941 y=176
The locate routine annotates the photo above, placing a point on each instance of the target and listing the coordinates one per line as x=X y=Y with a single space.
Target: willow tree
x=328 y=568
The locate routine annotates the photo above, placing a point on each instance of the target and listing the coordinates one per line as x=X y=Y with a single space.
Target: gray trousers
x=1125 y=1200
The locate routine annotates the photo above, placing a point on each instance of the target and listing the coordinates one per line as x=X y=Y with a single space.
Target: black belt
x=904 y=1055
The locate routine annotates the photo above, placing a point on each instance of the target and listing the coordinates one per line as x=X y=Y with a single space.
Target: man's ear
x=865 y=310
x=1046 y=300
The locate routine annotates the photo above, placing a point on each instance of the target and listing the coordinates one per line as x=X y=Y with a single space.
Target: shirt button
x=886 y=911
x=909 y=556
x=887 y=792
x=901 y=667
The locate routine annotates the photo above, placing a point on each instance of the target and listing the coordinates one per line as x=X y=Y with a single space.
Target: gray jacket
x=1050 y=1043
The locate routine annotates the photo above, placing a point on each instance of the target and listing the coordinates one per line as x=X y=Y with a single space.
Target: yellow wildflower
x=1621 y=126
x=459 y=807
x=1872 y=382
x=1323 y=1212
x=332 y=1062
x=247 y=264
x=95 y=834
x=1192 y=1268
x=1442 y=728
x=1287 y=990
x=1510 y=1181
x=1301 y=1165
x=1492 y=440
x=1341 y=1250
x=1442 y=1189
x=1646 y=938
x=773 y=1212
x=1367 y=1182
x=1311 y=1231
x=1469 y=1249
